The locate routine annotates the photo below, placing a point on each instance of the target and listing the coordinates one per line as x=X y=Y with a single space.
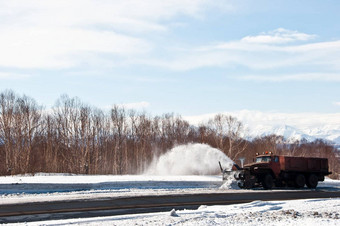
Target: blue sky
x=181 y=56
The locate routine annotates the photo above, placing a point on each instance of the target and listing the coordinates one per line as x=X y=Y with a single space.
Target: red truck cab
x=272 y=162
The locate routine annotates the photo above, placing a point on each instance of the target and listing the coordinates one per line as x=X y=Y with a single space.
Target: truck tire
x=240 y=184
x=299 y=181
x=267 y=181
x=312 y=181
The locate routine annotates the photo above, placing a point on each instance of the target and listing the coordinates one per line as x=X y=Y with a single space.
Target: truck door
x=275 y=165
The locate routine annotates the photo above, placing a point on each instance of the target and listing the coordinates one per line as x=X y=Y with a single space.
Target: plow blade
x=243 y=177
x=226 y=174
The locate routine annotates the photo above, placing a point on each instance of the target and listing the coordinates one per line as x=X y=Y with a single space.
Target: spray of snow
x=230 y=183
x=190 y=159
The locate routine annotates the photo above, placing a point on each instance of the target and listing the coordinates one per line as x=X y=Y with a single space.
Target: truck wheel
x=240 y=184
x=279 y=183
x=267 y=181
x=300 y=181
x=312 y=181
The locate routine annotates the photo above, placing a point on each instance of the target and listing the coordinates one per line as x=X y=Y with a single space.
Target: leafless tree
x=7 y=124
x=119 y=130
x=30 y=128
x=76 y=138
x=228 y=134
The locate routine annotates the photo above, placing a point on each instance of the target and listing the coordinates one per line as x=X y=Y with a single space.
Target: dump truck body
x=280 y=171
x=301 y=164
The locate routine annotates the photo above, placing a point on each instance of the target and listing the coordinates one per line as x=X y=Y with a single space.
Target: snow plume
x=190 y=159
x=230 y=183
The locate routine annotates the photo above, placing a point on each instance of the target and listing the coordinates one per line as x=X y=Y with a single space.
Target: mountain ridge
x=292 y=126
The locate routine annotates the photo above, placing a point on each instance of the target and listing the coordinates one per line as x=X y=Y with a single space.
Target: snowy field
x=47 y=187
x=299 y=212
x=44 y=187
x=195 y=159
x=51 y=187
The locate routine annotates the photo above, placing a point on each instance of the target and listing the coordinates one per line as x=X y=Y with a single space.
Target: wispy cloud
x=62 y=48
x=336 y=103
x=77 y=33
x=69 y=33
x=9 y=75
x=280 y=49
x=293 y=77
x=278 y=36
x=137 y=105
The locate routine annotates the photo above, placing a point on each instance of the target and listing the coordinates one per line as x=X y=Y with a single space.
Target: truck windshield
x=263 y=159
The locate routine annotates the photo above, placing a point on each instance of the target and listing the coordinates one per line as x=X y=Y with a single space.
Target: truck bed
x=304 y=164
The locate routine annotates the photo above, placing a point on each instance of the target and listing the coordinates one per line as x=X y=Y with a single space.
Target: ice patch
x=190 y=159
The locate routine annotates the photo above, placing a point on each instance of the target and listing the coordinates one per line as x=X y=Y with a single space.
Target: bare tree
x=7 y=123
x=77 y=138
x=228 y=131
x=119 y=130
x=30 y=130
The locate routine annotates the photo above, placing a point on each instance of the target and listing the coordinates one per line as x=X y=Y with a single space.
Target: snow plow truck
x=270 y=170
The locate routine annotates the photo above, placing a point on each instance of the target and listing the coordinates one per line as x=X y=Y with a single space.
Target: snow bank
x=191 y=159
x=298 y=212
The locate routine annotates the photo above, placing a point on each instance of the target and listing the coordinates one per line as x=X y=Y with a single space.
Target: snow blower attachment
x=270 y=170
x=227 y=173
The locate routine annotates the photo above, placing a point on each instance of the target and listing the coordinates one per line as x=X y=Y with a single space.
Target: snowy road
x=116 y=206
x=111 y=195
x=40 y=197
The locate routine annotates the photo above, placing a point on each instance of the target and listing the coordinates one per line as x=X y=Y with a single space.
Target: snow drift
x=190 y=159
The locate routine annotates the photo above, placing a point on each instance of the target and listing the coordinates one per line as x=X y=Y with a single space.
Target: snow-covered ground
x=299 y=212
x=44 y=187
x=195 y=159
x=48 y=187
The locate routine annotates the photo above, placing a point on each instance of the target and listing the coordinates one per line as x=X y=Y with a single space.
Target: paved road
x=27 y=212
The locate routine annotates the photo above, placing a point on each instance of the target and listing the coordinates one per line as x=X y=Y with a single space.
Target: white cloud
x=86 y=12
x=67 y=33
x=9 y=75
x=73 y=33
x=293 y=77
x=138 y=105
x=264 y=55
x=278 y=36
x=49 y=48
x=336 y=103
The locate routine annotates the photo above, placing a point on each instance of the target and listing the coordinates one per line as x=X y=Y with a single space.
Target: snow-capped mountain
x=288 y=132
x=292 y=133
x=309 y=126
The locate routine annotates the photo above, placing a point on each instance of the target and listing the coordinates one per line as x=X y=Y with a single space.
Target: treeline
x=74 y=137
